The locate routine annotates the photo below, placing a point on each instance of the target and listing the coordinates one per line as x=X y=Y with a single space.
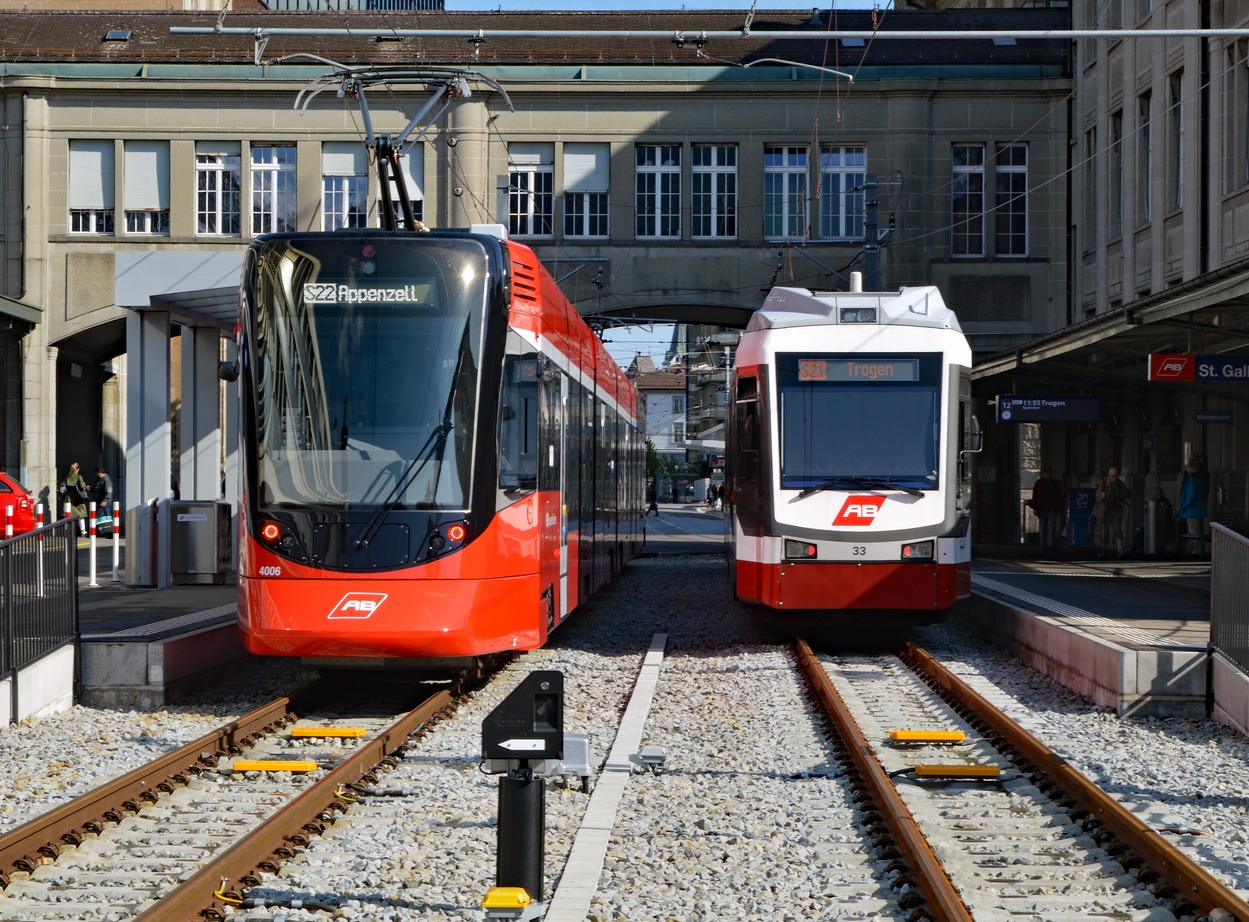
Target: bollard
x=91 y=553
x=39 y=548
x=521 y=739
x=116 y=541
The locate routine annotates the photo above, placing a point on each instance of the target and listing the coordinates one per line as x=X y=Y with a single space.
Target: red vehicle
x=441 y=461
x=17 y=507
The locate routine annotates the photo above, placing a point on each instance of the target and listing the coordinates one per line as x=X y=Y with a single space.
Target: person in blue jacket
x=1193 y=510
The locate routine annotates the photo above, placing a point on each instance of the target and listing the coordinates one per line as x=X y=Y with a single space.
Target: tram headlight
x=448 y=537
x=919 y=550
x=799 y=550
x=274 y=535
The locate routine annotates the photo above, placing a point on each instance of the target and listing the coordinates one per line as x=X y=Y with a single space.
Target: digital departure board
x=875 y=368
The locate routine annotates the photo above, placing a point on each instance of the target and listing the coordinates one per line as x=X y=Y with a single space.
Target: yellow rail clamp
x=321 y=732
x=988 y=772
x=274 y=765
x=505 y=903
x=927 y=736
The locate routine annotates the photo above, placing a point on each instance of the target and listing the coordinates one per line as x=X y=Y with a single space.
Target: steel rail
x=259 y=850
x=1189 y=878
x=944 y=903
x=41 y=838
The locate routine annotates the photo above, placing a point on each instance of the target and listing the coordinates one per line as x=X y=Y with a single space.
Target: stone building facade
x=654 y=172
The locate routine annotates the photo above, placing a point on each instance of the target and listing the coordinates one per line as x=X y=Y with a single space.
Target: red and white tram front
x=851 y=484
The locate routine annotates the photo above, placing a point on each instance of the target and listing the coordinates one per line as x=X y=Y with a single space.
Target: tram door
x=553 y=544
x=561 y=453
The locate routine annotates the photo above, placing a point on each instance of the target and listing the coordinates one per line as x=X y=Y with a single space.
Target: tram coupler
x=523 y=740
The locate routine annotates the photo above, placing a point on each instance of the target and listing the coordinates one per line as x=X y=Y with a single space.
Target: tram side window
x=518 y=425
x=746 y=425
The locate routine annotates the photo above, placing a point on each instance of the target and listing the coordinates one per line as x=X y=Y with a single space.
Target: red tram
x=441 y=461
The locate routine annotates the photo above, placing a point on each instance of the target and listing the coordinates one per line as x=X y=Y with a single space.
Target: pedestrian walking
x=74 y=490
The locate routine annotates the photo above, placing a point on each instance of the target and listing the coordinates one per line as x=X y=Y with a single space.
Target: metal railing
x=38 y=598
x=1229 y=590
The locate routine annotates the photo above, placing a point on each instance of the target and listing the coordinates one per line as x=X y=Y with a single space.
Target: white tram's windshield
x=859 y=417
x=366 y=359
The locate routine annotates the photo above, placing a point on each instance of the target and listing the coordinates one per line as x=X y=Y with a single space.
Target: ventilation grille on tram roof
x=525 y=283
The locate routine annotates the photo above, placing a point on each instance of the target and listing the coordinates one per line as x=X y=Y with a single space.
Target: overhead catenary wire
x=700 y=38
x=704 y=36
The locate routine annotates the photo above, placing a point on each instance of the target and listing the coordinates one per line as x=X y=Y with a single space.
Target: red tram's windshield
x=366 y=356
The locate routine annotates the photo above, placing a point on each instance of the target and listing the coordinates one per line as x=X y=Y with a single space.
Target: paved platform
x=1131 y=634
x=147 y=647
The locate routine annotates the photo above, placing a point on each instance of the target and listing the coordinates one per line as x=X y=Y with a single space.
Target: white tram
x=848 y=454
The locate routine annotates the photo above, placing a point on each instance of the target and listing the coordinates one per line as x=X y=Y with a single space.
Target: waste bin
x=199 y=542
x=142 y=544
x=1079 y=514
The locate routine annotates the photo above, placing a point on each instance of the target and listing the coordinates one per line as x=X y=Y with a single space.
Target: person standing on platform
x=1113 y=499
x=1047 y=503
x=102 y=493
x=102 y=490
x=1194 y=489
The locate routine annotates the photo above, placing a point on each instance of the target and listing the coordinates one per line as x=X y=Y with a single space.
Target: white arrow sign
x=523 y=745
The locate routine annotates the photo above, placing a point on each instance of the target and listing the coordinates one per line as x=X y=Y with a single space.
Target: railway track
x=754 y=816
x=180 y=838
x=990 y=821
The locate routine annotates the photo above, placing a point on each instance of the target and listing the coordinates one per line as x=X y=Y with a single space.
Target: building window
x=967 y=199
x=714 y=178
x=273 y=188
x=784 y=192
x=218 y=188
x=843 y=175
x=658 y=190
x=147 y=187
x=1144 y=160
x=586 y=184
x=678 y=403
x=1010 y=204
x=530 y=189
x=91 y=187
x=1236 y=115
x=1091 y=234
x=344 y=185
x=1116 y=174
x=1175 y=140
x=678 y=431
x=410 y=183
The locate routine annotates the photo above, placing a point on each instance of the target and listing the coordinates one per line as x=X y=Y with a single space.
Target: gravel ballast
x=749 y=770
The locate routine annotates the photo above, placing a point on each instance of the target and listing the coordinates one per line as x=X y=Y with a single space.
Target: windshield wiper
x=434 y=448
x=871 y=483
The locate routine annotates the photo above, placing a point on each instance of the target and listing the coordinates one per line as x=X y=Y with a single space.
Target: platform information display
x=1047 y=408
